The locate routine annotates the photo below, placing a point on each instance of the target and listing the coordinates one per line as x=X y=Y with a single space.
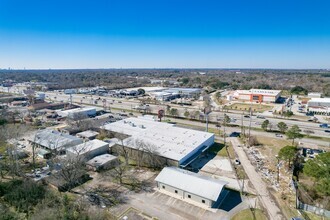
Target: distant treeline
x=311 y=80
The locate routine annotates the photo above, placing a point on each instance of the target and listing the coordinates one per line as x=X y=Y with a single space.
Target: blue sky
x=164 y=33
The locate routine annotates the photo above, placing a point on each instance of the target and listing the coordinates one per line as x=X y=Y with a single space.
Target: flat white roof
x=65 y=113
x=169 y=141
x=197 y=184
x=87 y=146
x=53 y=139
x=259 y=92
x=101 y=160
x=321 y=100
x=88 y=133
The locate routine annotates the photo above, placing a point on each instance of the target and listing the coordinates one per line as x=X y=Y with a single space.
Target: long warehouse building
x=178 y=146
x=258 y=95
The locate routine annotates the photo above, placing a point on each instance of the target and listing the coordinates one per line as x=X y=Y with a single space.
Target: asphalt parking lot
x=165 y=207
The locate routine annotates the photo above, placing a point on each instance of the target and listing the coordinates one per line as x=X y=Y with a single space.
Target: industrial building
x=88 y=150
x=314 y=95
x=167 y=94
x=191 y=187
x=102 y=162
x=54 y=140
x=77 y=113
x=87 y=135
x=178 y=146
x=319 y=106
x=258 y=95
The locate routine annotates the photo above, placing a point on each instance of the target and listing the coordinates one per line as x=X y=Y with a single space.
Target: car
x=324 y=125
x=261 y=117
x=308 y=131
x=237 y=162
x=328 y=131
x=278 y=135
x=246 y=116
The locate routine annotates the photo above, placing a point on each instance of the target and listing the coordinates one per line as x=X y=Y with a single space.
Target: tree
x=186 y=114
x=174 y=112
x=288 y=153
x=265 y=125
x=195 y=114
x=294 y=133
x=226 y=119
x=287 y=114
x=141 y=91
x=282 y=127
x=299 y=90
x=319 y=169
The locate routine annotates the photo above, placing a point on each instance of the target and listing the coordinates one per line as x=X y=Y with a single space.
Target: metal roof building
x=178 y=144
x=54 y=140
x=189 y=186
x=104 y=161
x=89 y=149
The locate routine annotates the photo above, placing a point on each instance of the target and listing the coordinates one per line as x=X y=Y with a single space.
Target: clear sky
x=164 y=33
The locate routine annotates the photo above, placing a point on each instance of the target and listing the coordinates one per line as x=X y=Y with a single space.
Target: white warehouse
x=179 y=146
x=319 y=106
x=77 y=113
x=191 y=187
x=258 y=95
x=88 y=150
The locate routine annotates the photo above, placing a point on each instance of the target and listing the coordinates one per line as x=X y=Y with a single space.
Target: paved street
x=129 y=104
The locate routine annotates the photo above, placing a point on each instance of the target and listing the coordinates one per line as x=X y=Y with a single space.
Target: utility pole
x=224 y=129
x=278 y=169
x=70 y=100
x=250 y=125
x=242 y=125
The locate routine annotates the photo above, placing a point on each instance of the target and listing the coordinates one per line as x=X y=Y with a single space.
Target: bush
x=24 y=195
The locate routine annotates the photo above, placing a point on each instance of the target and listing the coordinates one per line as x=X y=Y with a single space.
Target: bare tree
x=122 y=149
x=147 y=154
x=72 y=166
x=9 y=136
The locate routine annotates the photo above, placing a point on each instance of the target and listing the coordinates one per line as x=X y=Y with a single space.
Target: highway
x=129 y=104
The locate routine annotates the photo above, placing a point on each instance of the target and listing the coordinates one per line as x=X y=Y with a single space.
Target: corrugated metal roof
x=193 y=183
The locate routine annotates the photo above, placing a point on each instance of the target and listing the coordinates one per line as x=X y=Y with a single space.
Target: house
x=191 y=187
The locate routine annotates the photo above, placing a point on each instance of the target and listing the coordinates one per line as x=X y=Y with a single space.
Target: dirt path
x=267 y=201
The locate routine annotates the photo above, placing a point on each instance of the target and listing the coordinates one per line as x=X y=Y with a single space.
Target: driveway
x=267 y=201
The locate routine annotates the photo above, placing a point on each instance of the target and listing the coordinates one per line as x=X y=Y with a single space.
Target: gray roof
x=169 y=141
x=101 y=160
x=88 y=134
x=193 y=183
x=88 y=146
x=52 y=139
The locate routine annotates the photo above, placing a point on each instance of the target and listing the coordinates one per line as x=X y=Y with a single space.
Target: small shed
x=87 y=135
x=102 y=162
x=89 y=149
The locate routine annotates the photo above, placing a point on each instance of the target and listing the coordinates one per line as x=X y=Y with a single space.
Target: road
x=267 y=201
x=129 y=104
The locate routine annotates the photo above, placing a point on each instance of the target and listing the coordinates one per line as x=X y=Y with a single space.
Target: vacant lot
x=247 y=214
x=246 y=107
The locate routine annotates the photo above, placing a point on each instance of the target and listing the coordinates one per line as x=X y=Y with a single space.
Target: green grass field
x=247 y=214
x=246 y=107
